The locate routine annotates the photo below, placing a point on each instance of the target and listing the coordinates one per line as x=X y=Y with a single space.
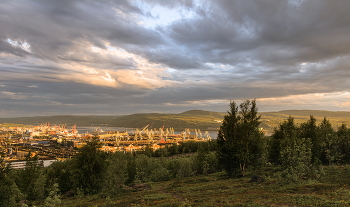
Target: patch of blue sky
x=24 y=45
x=162 y=16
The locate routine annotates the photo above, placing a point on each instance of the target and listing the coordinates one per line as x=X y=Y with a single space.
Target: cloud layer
x=121 y=57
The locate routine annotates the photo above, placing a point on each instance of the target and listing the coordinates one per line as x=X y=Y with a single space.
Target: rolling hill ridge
x=205 y=120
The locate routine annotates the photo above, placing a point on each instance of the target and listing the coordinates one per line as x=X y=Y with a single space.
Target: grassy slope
x=190 y=119
x=217 y=190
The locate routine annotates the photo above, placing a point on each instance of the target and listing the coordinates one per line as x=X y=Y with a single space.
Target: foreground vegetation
x=213 y=189
x=218 y=190
x=299 y=165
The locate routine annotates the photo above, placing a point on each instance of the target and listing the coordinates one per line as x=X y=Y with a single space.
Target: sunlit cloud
x=203 y=102
x=11 y=95
x=76 y=56
x=335 y=101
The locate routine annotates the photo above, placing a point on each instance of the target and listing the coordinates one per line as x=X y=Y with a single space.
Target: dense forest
x=296 y=152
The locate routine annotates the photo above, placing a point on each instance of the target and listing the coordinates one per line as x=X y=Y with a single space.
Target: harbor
x=59 y=142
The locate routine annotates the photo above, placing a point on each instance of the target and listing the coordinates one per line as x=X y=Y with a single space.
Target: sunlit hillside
x=204 y=120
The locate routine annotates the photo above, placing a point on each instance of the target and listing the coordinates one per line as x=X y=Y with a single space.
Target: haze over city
x=122 y=57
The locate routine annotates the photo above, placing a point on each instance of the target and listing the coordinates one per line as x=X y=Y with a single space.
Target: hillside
x=189 y=119
x=205 y=120
x=61 y=119
x=217 y=190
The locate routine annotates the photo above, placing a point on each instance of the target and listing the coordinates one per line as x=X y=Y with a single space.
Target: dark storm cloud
x=276 y=33
x=218 y=49
x=53 y=28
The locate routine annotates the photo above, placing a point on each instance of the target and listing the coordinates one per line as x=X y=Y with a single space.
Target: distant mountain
x=190 y=119
x=61 y=119
x=199 y=119
x=316 y=113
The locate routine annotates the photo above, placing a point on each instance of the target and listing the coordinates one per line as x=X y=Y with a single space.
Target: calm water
x=84 y=129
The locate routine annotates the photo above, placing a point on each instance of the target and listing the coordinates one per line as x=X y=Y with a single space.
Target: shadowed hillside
x=204 y=120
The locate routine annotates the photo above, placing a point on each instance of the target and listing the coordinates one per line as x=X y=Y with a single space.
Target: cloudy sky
x=121 y=57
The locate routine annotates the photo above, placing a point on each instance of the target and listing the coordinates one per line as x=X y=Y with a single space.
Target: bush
x=116 y=173
x=185 y=168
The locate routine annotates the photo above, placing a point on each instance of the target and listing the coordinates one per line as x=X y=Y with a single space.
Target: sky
x=86 y=57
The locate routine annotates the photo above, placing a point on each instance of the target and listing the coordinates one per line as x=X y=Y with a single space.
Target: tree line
x=94 y=172
x=298 y=152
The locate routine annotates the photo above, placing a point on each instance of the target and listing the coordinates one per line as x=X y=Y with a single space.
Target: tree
x=329 y=141
x=286 y=130
x=295 y=151
x=61 y=173
x=296 y=158
x=53 y=199
x=9 y=191
x=239 y=138
x=26 y=179
x=343 y=135
x=310 y=130
x=89 y=165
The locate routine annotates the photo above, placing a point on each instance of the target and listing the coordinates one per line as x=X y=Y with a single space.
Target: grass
x=218 y=190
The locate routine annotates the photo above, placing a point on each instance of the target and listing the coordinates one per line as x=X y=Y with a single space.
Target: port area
x=51 y=143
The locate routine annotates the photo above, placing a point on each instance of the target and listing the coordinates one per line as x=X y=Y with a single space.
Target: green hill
x=199 y=119
x=270 y=120
x=61 y=119
x=316 y=113
x=190 y=119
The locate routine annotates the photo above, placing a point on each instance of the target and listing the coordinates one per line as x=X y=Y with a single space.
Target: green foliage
x=39 y=186
x=330 y=143
x=309 y=130
x=131 y=170
x=28 y=180
x=296 y=158
x=61 y=173
x=286 y=130
x=182 y=148
x=53 y=199
x=116 y=173
x=185 y=168
x=188 y=147
x=239 y=139
x=143 y=168
x=343 y=134
x=173 y=149
x=10 y=194
x=162 y=152
x=296 y=154
x=205 y=162
x=89 y=166
x=4 y=168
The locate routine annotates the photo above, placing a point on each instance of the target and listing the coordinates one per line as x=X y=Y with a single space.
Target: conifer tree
x=343 y=134
x=239 y=138
x=285 y=130
x=329 y=141
x=310 y=130
x=9 y=191
x=89 y=165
